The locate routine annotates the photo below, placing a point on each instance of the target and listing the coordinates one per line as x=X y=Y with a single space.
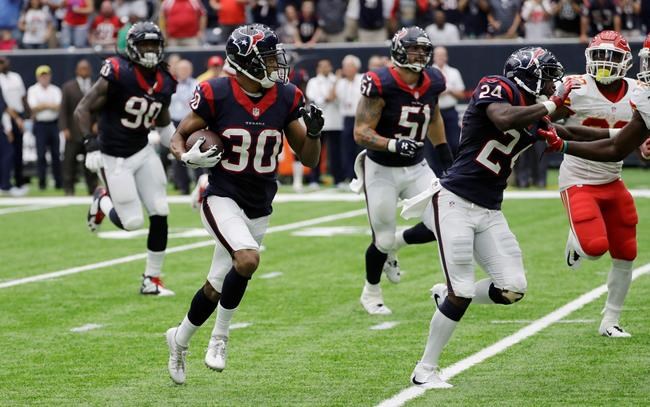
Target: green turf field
x=309 y=341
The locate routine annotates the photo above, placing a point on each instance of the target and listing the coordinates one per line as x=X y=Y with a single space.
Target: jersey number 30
x=142 y=111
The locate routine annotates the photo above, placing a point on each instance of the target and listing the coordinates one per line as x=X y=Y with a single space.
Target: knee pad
x=595 y=247
x=625 y=249
x=384 y=242
x=161 y=207
x=505 y=297
x=133 y=223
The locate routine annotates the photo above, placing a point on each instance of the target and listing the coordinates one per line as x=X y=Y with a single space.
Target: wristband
x=565 y=147
x=614 y=132
x=550 y=106
x=392 y=145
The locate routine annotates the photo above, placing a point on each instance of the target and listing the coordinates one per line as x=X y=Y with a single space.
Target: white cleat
x=373 y=303
x=439 y=293
x=428 y=377
x=177 y=353
x=196 y=197
x=215 y=357
x=154 y=286
x=391 y=269
x=614 y=331
x=573 y=259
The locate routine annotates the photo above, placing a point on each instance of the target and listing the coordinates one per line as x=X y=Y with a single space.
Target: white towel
x=414 y=207
x=356 y=185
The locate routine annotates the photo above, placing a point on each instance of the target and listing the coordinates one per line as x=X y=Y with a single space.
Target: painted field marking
x=270 y=275
x=26 y=208
x=413 y=392
x=86 y=328
x=528 y=321
x=384 y=326
x=240 y=325
x=176 y=249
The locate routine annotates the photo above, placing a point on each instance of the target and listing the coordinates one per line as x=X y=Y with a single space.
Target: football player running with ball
x=132 y=94
x=397 y=110
x=500 y=123
x=602 y=214
x=251 y=111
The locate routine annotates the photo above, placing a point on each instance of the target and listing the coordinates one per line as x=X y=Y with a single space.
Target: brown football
x=211 y=139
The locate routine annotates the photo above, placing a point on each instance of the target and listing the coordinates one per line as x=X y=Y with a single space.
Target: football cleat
x=391 y=269
x=428 y=377
x=439 y=293
x=177 y=354
x=614 y=331
x=215 y=356
x=154 y=286
x=196 y=197
x=373 y=303
x=572 y=257
x=95 y=214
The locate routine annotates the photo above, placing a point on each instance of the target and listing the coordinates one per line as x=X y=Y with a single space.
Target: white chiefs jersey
x=641 y=102
x=595 y=110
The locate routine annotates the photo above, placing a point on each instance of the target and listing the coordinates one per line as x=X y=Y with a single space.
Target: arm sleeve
x=297 y=103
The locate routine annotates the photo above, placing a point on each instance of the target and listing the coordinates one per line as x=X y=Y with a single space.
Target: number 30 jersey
x=132 y=105
x=407 y=111
x=252 y=131
x=486 y=154
x=593 y=109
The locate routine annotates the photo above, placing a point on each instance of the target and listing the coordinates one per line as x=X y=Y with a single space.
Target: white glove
x=94 y=161
x=196 y=159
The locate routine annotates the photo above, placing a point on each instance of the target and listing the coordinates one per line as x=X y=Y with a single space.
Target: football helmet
x=531 y=67
x=255 y=51
x=608 y=56
x=644 y=58
x=145 y=44
x=411 y=42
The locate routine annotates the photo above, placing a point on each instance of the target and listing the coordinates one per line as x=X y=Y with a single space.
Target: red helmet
x=609 y=57
x=215 y=61
x=644 y=58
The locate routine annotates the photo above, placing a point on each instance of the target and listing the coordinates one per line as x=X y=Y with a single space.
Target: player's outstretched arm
x=438 y=138
x=366 y=119
x=93 y=101
x=582 y=133
x=507 y=117
x=191 y=123
x=304 y=136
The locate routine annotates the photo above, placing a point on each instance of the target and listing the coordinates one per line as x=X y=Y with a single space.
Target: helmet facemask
x=644 y=70
x=411 y=49
x=607 y=65
x=266 y=67
x=147 y=52
x=536 y=83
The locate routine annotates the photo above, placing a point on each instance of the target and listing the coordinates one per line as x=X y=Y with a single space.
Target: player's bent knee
x=212 y=294
x=385 y=242
x=505 y=296
x=595 y=247
x=161 y=208
x=133 y=223
x=627 y=250
x=246 y=262
x=454 y=307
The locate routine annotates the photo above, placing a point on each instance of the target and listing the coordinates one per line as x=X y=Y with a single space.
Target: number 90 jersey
x=593 y=109
x=407 y=111
x=252 y=131
x=132 y=105
x=486 y=154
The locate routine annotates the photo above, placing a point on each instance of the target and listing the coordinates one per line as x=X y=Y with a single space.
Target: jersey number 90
x=142 y=112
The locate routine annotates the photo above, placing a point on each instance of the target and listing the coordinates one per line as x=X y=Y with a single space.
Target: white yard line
x=413 y=392
x=176 y=249
x=27 y=208
x=384 y=326
x=270 y=275
x=86 y=328
x=240 y=325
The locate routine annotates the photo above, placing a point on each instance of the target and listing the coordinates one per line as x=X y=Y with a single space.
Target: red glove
x=563 y=92
x=554 y=143
x=645 y=149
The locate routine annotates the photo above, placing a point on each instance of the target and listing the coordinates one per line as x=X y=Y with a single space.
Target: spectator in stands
x=232 y=14
x=9 y=15
x=215 y=69
x=451 y=9
x=184 y=22
x=504 y=18
x=442 y=32
x=448 y=99
x=370 y=17
x=121 y=34
x=377 y=61
x=538 y=19
x=72 y=92
x=567 y=18
x=74 y=28
x=320 y=90
x=178 y=109
x=308 y=33
x=44 y=100
x=7 y=41
x=348 y=93
x=15 y=95
x=630 y=17
x=331 y=19
x=36 y=24
x=124 y=9
x=474 y=17
x=104 y=29
x=599 y=15
x=6 y=149
x=288 y=32
x=405 y=12
x=265 y=12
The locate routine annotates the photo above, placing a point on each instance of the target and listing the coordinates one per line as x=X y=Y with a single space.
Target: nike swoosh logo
x=436 y=298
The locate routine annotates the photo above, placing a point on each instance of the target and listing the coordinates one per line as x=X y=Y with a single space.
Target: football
x=211 y=139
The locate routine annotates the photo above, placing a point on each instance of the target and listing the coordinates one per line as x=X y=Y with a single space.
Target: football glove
x=194 y=158
x=94 y=161
x=313 y=118
x=405 y=147
x=554 y=143
x=562 y=93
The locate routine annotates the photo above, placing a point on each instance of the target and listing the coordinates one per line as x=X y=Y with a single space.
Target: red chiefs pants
x=603 y=217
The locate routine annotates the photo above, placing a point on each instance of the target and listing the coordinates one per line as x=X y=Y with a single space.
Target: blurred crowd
x=103 y=24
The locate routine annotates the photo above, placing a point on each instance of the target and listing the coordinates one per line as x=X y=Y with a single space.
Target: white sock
x=154 y=263
x=618 y=284
x=185 y=331
x=440 y=331
x=482 y=289
x=297 y=174
x=106 y=204
x=399 y=240
x=222 y=324
x=372 y=288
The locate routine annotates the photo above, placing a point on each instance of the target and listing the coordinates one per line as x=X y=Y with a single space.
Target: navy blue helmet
x=415 y=42
x=145 y=44
x=531 y=68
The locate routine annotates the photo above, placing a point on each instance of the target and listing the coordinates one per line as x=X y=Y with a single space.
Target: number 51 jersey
x=132 y=106
x=252 y=130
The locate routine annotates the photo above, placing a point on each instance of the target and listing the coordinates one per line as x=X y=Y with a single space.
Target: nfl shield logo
x=416 y=95
x=256 y=111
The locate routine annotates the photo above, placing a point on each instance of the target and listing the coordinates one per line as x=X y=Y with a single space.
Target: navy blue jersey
x=252 y=133
x=486 y=154
x=133 y=102
x=407 y=111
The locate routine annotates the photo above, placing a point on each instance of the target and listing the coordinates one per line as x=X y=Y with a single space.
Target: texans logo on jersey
x=246 y=43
